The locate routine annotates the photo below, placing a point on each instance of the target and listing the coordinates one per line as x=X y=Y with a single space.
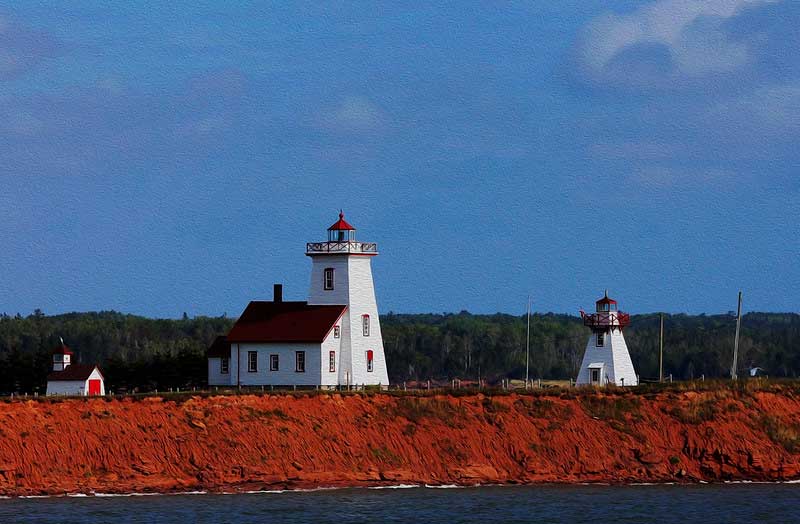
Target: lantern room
x=605 y=304
x=341 y=231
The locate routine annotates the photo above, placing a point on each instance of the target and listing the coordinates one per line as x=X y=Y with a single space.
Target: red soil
x=276 y=442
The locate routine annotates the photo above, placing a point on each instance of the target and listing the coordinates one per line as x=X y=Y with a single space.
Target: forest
x=142 y=354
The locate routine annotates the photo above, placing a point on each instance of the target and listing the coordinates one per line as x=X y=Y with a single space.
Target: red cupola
x=341 y=231
x=62 y=357
x=607 y=317
x=606 y=304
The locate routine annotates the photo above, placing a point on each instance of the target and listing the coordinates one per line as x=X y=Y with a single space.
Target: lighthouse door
x=595 y=376
x=94 y=387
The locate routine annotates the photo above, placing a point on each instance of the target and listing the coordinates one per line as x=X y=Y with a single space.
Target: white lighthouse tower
x=606 y=360
x=341 y=273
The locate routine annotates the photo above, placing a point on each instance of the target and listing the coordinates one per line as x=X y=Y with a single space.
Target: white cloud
x=771 y=109
x=691 y=31
x=353 y=114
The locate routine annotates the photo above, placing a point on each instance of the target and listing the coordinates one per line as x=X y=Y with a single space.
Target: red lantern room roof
x=606 y=300
x=62 y=350
x=341 y=224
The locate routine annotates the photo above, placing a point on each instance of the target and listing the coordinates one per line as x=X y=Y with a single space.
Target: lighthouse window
x=252 y=361
x=601 y=338
x=369 y=360
x=224 y=365
x=332 y=361
x=365 y=324
x=337 y=331
x=300 y=361
x=328 y=284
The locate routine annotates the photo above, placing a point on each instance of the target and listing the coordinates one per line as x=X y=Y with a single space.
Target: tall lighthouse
x=606 y=359
x=341 y=273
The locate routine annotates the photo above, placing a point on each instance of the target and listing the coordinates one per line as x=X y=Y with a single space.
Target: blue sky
x=164 y=159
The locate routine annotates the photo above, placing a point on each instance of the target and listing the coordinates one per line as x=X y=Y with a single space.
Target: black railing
x=341 y=247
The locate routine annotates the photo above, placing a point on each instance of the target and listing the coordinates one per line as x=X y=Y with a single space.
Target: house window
x=224 y=365
x=369 y=360
x=328 y=278
x=601 y=339
x=252 y=361
x=337 y=331
x=365 y=324
x=300 y=361
x=273 y=362
x=332 y=361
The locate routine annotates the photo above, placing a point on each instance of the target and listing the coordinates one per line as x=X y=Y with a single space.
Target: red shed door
x=94 y=386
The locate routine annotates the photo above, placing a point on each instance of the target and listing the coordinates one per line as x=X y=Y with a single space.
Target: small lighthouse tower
x=62 y=357
x=341 y=273
x=606 y=360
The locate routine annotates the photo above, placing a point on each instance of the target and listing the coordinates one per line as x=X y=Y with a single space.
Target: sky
x=176 y=157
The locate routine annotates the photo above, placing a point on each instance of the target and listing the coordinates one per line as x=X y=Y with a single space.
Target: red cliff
x=284 y=441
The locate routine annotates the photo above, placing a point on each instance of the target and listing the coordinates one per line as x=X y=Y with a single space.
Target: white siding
x=330 y=344
x=66 y=387
x=215 y=376
x=617 y=364
x=286 y=374
x=354 y=288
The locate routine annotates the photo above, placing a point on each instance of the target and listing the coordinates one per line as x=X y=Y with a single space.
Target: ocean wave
x=397 y=486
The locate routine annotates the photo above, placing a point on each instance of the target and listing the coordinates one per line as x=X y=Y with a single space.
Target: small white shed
x=73 y=379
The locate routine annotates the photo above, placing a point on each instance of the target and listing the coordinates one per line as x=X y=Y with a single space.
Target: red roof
x=341 y=224
x=285 y=322
x=219 y=348
x=74 y=372
x=606 y=300
x=62 y=350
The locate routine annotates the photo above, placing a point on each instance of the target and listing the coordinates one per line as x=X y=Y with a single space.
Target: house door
x=94 y=386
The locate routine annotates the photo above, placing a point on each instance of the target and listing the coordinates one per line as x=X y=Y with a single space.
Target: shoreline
x=90 y=495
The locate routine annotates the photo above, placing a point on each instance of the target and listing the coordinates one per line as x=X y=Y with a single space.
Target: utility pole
x=661 y=351
x=528 y=344
x=734 y=374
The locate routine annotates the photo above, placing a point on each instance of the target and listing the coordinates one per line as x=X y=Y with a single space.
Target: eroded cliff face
x=231 y=443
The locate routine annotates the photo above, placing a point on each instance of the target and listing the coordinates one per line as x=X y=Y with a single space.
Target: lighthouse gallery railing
x=341 y=247
x=615 y=318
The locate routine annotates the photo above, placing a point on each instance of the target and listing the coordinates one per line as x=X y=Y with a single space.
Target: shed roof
x=296 y=322
x=74 y=372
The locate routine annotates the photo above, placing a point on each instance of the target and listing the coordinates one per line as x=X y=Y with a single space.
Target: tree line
x=141 y=354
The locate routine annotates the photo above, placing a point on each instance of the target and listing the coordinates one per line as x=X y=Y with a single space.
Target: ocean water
x=706 y=504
